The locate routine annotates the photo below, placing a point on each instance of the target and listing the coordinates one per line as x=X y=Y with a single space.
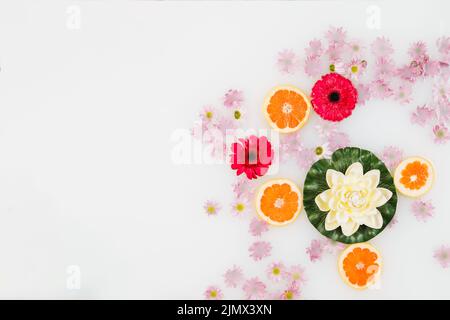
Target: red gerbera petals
x=334 y=97
x=251 y=156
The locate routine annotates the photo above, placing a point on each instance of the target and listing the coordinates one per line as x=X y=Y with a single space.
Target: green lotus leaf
x=315 y=184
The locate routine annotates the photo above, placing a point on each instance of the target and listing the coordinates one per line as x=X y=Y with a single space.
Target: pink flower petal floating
x=296 y=274
x=240 y=206
x=380 y=89
x=288 y=62
x=418 y=50
x=422 y=210
x=233 y=277
x=314 y=67
x=403 y=92
x=336 y=36
x=258 y=227
x=442 y=255
x=291 y=292
x=233 y=99
x=254 y=289
x=314 y=49
x=382 y=47
x=305 y=157
x=441 y=134
x=259 y=250
x=213 y=293
x=338 y=140
x=316 y=250
x=244 y=188
x=422 y=115
x=275 y=271
x=392 y=156
x=211 y=207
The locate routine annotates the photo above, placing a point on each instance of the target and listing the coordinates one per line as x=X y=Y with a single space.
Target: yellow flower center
x=332 y=68
x=354 y=69
x=209 y=114
x=211 y=209
x=213 y=294
x=319 y=151
x=237 y=114
x=276 y=271
x=289 y=295
x=240 y=207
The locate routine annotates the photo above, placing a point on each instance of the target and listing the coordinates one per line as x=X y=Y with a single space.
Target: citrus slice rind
x=414 y=177
x=360 y=265
x=278 y=201
x=286 y=109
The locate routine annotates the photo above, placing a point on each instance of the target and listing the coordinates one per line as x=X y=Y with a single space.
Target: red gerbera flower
x=334 y=97
x=251 y=156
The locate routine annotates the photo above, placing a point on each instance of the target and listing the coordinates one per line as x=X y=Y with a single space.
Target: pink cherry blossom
x=441 y=133
x=422 y=210
x=259 y=250
x=316 y=250
x=233 y=277
x=211 y=207
x=382 y=47
x=418 y=50
x=213 y=293
x=336 y=36
x=288 y=62
x=254 y=289
x=314 y=49
x=258 y=227
x=392 y=156
x=442 y=255
x=275 y=271
x=233 y=99
x=422 y=115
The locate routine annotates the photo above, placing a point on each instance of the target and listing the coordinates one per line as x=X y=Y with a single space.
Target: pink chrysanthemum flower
x=259 y=250
x=442 y=255
x=363 y=93
x=334 y=53
x=225 y=126
x=356 y=68
x=355 y=48
x=313 y=67
x=418 y=50
x=243 y=188
x=422 y=115
x=254 y=289
x=336 y=35
x=403 y=92
x=338 y=140
x=443 y=113
x=432 y=68
x=443 y=45
x=441 y=133
x=233 y=277
x=315 y=250
x=380 y=89
x=208 y=114
x=295 y=274
x=233 y=99
x=258 y=227
x=291 y=292
x=239 y=206
x=392 y=156
x=441 y=91
x=211 y=207
x=422 y=210
x=314 y=49
x=305 y=157
x=384 y=68
x=382 y=47
x=275 y=271
x=288 y=62
x=213 y=293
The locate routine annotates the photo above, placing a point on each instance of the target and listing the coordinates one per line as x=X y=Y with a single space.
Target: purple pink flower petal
x=422 y=210
x=213 y=293
x=258 y=227
x=259 y=250
x=233 y=277
x=442 y=255
x=254 y=289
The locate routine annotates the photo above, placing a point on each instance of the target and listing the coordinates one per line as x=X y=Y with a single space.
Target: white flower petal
x=334 y=177
x=349 y=228
x=323 y=199
x=380 y=197
x=356 y=169
x=373 y=178
x=374 y=220
x=331 y=222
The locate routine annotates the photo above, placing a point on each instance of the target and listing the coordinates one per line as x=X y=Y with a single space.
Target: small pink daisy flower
x=336 y=36
x=258 y=227
x=384 y=68
x=254 y=289
x=441 y=133
x=338 y=140
x=316 y=250
x=208 y=114
x=211 y=207
x=275 y=271
x=363 y=93
x=314 y=49
x=442 y=255
x=356 y=68
x=422 y=115
x=287 y=61
x=355 y=48
x=239 y=206
x=313 y=67
x=382 y=47
x=423 y=210
x=380 y=89
x=392 y=156
x=418 y=50
x=260 y=249
x=213 y=293
x=403 y=92
x=233 y=99
x=305 y=157
x=233 y=277
x=291 y=292
x=295 y=274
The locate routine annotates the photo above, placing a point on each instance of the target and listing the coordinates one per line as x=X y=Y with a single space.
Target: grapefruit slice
x=279 y=201
x=414 y=177
x=360 y=265
x=286 y=108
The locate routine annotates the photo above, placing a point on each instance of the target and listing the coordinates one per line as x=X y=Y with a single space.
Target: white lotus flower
x=352 y=199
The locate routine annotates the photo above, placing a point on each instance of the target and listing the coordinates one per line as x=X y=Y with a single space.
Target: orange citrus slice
x=414 y=177
x=279 y=201
x=286 y=109
x=360 y=265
